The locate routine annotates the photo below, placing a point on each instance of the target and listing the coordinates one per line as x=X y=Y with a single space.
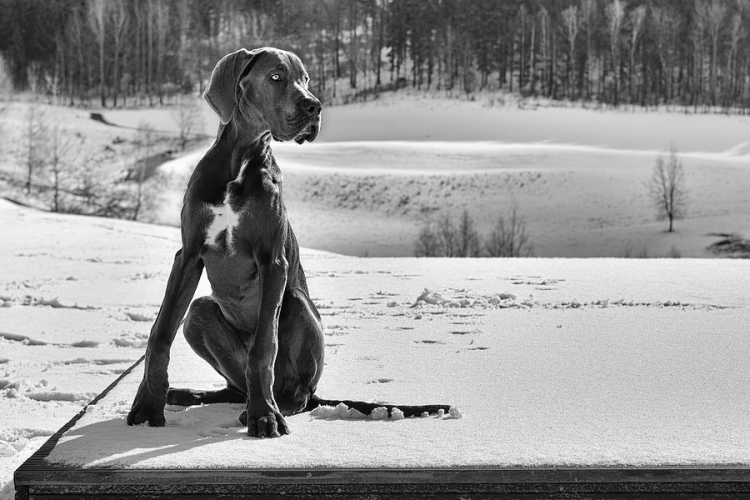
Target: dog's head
x=266 y=89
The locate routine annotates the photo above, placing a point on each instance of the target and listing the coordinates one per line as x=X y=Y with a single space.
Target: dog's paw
x=147 y=411
x=148 y=407
x=183 y=397
x=270 y=425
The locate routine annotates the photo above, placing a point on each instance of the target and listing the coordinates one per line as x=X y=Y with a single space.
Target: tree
x=143 y=149
x=97 y=17
x=571 y=23
x=34 y=141
x=160 y=18
x=509 y=238
x=666 y=188
x=737 y=32
x=638 y=15
x=698 y=34
x=716 y=11
x=665 y=33
x=468 y=238
x=188 y=115
x=615 y=13
x=447 y=236
x=588 y=6
x=120 y=19
x=61 y=146
x=428 y=242
x=677 y=52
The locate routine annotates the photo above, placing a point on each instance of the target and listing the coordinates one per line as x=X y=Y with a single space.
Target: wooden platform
x=37 y=479
x=584 y=393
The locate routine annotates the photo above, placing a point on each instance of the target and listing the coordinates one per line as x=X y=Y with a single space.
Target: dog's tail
x=368 y=408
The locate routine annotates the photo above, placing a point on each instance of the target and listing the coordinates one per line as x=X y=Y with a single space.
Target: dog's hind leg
x=216 y=341
x=299 y=362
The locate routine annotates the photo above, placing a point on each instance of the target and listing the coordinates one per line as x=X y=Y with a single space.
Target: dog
x=259 y=329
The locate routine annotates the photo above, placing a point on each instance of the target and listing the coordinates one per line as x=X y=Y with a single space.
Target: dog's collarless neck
x=244 y=150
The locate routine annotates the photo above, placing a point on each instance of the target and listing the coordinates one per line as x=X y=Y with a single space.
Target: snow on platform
x=590 y=366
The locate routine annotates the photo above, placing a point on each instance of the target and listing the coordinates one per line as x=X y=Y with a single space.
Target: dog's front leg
x=263 y=416
x=148 y=405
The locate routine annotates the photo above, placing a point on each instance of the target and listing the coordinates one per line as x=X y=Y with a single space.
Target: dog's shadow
x=111 y=443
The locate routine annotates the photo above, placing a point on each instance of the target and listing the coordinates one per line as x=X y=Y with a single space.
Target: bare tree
x=615 y=13
x=467 y=236
x=716 y=12
x=587 y=7
x=97 y=18
x=698 y=35
x=188 y=115
x=6 y=86
x=144 y=146
x=666 y=188
x=183 y=19
x=638 y=15
x=571 y=23
x=61 y=155
x=34 y=140
x=737 y=32
x=447 y=236
x=665 y=32
x=446 y=239
x=120 y=19
x=509 y=238
x=160 y=23
x=428 y=242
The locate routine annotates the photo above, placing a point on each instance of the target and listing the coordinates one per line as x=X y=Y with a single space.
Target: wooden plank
x=734 y=482
x=404 y=490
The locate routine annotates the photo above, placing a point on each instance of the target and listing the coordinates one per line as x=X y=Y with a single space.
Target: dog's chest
x=224 y=222
x=242 y=197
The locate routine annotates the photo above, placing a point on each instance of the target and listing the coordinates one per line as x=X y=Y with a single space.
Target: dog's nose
x=312 y=106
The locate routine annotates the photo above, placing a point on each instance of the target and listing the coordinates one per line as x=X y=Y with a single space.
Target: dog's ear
x=221 y=92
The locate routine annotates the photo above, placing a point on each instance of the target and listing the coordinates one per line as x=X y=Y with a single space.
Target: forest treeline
x=643 y=52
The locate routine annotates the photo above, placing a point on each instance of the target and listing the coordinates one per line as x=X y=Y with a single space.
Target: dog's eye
x=276 y=77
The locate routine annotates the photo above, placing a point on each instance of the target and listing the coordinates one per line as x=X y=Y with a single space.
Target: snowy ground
x=556 y=361
x=551 y=362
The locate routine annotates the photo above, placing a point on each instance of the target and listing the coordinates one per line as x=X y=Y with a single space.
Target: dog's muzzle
x=310 y=108
x=309 y=133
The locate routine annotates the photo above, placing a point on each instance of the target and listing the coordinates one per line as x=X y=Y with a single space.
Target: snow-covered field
x=78 y=295
x=380 y=170
x=605 y=361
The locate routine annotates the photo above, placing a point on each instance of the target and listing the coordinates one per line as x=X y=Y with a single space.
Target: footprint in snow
x=85 y=343
x=379 y=381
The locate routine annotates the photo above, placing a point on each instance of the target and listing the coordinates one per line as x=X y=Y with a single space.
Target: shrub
x=509 y=238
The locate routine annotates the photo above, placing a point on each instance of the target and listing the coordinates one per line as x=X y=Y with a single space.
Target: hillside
x=382 y=168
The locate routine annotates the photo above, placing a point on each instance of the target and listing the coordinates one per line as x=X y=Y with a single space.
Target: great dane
x=259 y=329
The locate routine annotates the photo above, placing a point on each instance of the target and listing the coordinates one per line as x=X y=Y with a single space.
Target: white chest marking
x=224 y=218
